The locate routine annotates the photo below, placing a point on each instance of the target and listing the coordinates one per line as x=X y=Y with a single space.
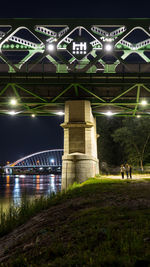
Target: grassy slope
x=103 y=222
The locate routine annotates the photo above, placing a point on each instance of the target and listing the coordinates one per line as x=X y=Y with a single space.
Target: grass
x=16 y=216
x=102 y=222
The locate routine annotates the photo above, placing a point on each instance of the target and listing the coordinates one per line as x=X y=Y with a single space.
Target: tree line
x=124 y=140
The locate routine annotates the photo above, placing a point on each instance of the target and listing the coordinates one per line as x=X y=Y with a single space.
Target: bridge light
x=52 y=161
x=109 y=113
x=12 y=113
x=108 y=47
x=50 y=47
x=13 y=101
x=60 y=113
x=143 y=102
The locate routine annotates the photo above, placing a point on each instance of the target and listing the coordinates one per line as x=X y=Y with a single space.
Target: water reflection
x=16 y=192
x=12 y=188
x=7 y=191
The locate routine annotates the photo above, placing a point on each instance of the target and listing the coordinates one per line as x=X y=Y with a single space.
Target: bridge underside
x=45 y=94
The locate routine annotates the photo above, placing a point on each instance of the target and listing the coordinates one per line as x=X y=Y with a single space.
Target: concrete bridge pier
x=79 y=161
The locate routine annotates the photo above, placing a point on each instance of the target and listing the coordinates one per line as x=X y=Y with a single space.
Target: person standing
x=127 y=167
x=122 y=170
x=130 y=171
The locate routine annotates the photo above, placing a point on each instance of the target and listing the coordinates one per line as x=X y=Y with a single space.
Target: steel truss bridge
x=48 y=159
x=45 y=62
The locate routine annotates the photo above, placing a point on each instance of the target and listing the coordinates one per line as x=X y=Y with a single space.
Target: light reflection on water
x=13 y=188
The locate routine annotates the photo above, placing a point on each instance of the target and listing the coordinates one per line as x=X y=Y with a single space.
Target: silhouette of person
x=122 y=170
x=127 y=167
x=130 y=171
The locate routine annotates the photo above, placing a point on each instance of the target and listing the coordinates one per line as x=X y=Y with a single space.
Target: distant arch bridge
x=44 y=160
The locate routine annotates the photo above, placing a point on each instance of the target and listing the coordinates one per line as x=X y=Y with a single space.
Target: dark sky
x=20 y=136
x=74 y=8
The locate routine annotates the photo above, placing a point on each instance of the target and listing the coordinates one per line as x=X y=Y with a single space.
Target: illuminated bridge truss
x=45 y=62
x=48 y=158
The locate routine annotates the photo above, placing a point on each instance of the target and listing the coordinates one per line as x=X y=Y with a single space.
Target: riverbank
x=103 y=222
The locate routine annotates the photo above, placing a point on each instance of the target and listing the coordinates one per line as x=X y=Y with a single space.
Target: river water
x=14 y=187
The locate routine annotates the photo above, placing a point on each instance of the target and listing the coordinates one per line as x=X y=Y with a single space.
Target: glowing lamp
x=13 y=101
x=12 y=113
x=109 y=113
x=60 y=113
x=108 y=47
x=52 y=161
x=143 y=102
x=50 y=47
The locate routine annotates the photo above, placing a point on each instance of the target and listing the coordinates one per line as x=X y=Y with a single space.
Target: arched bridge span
x=43 y=159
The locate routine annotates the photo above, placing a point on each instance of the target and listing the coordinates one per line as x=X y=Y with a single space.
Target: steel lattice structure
x=45 y=62
x=47 y=158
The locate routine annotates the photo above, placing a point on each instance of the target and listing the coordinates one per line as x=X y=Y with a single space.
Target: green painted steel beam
x=30 y=93
x=63 y=92
x=91 y=93
x=76 y=89
x=4 y=89
x=137 y=99
x=125 y=92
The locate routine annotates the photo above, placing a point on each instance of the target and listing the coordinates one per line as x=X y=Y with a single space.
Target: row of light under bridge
x=47 y=158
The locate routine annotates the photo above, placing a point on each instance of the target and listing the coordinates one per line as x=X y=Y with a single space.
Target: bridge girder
x=46 y=95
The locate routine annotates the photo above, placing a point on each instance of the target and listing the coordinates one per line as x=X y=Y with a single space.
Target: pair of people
x=126 y=169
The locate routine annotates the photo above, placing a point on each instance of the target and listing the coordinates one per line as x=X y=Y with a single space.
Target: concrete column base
x=77 y=167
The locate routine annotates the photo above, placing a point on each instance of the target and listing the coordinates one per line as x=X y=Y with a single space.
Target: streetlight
x=33 y=115
x=13 y=101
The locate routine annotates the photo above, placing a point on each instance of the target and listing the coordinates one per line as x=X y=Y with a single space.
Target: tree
x=134 y=137
x=108 y=151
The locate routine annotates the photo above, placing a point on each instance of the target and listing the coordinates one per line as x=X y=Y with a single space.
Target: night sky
x=20 y=136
